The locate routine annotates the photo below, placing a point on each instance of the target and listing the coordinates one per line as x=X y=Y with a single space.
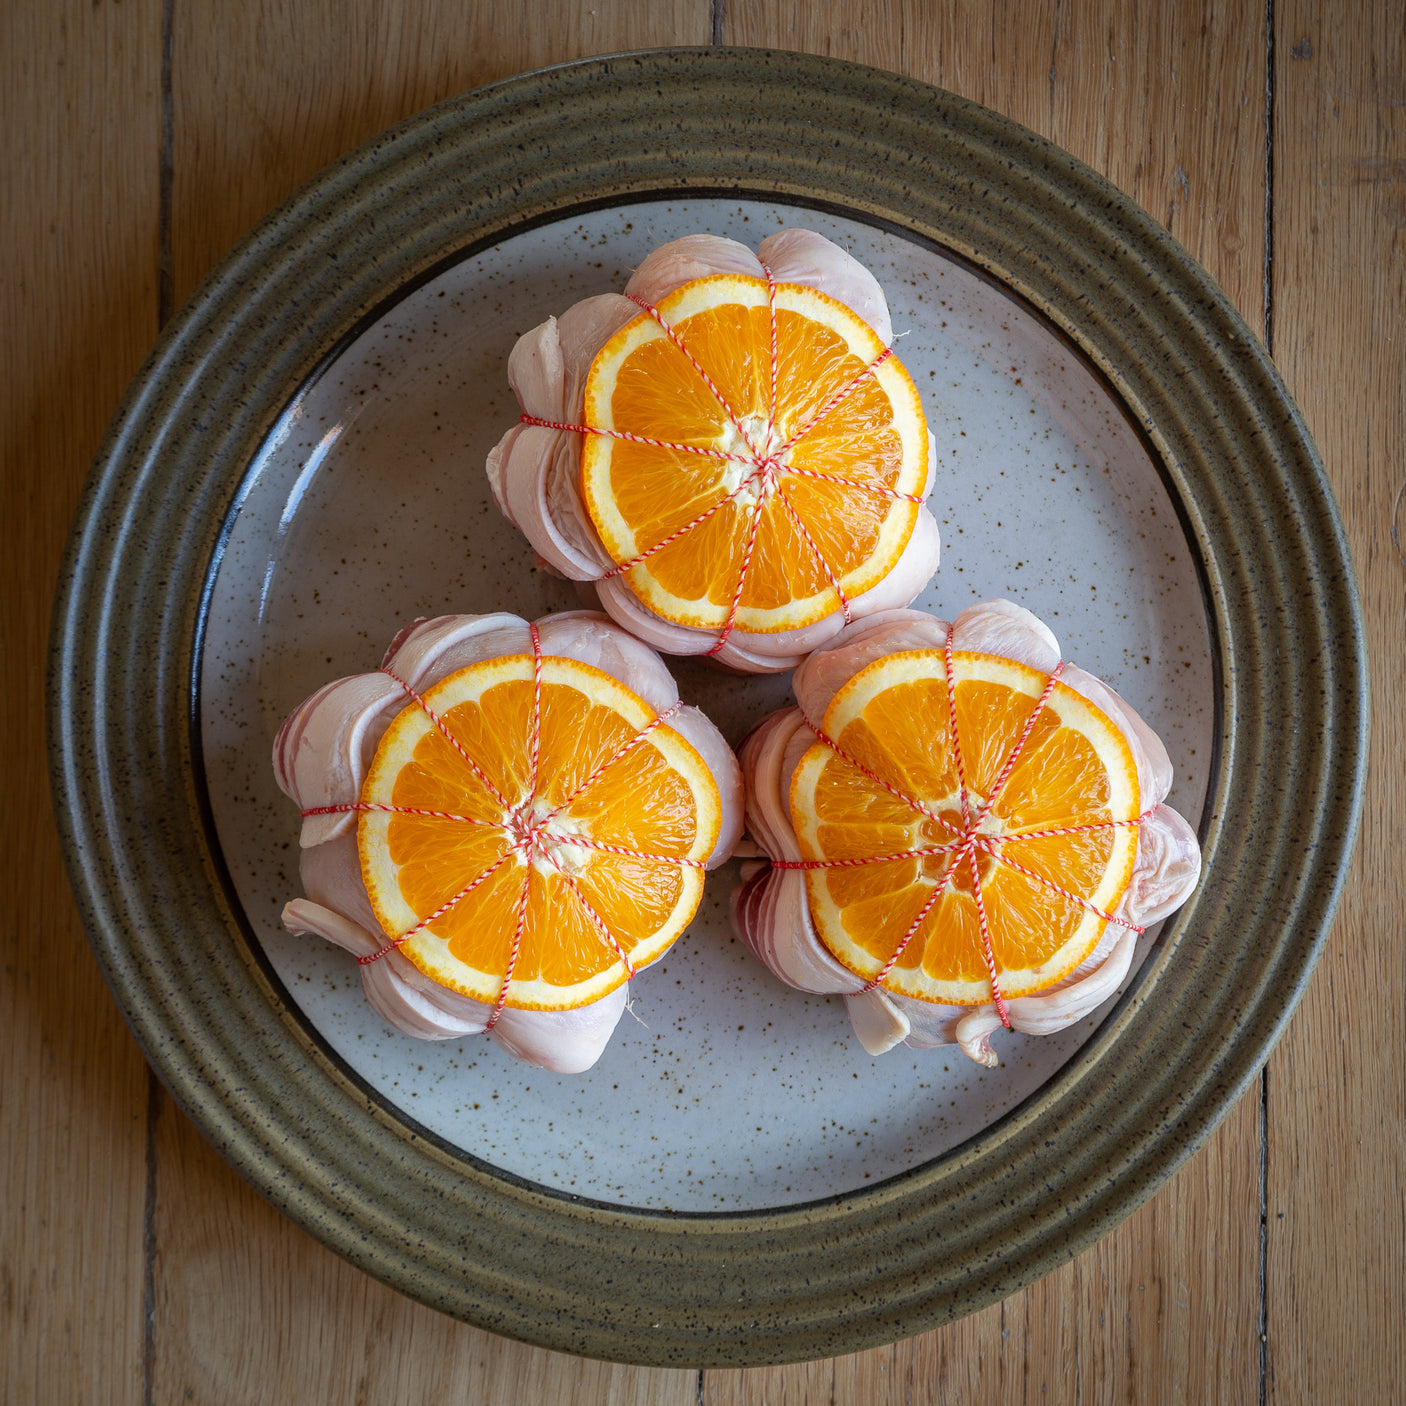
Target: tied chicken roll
x=727 y=457
x=962 y=831
x=504 y=824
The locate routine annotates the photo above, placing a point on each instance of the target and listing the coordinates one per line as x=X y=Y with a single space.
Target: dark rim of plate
x=1169 y=1060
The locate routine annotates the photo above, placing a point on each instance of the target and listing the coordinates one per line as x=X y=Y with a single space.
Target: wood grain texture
x=249 y=1308
x=251 y=1311
x=1164 y=1309
x=265 y=103
x=78 y=227
x=1337 y=1083
x=1167 y=101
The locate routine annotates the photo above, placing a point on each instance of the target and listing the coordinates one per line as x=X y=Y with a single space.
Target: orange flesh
x=576 y=907
x=1060 y=779
x=806 y=535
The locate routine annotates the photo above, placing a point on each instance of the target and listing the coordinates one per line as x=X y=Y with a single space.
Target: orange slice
x=738 y=488
x=538 y=840
x=1008 y=848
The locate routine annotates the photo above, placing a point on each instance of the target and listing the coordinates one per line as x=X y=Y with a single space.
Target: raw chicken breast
x=321 y=756
x=534 y=471
x=770 y=909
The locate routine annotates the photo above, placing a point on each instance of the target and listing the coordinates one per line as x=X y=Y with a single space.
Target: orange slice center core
x=757 y=452
x=978 y=841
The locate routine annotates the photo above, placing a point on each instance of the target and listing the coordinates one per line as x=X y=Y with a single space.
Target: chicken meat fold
x=534 y=471
x=770 y=909
x=321 y=756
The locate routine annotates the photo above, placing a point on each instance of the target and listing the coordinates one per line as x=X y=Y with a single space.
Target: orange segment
x=894 y=782
x=564 y=822
x=752 y=531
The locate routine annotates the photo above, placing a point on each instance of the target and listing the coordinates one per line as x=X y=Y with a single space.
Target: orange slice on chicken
x=958 y=823
x=534 y=838
x=757 y=455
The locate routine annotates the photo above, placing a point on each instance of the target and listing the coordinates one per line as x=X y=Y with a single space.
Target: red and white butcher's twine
x=968 y=841
x=530 y=839
x=764 y=470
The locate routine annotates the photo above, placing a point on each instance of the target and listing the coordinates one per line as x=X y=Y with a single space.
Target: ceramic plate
x=298 y=472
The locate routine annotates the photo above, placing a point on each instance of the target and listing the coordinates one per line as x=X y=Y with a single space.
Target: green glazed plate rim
x=1172 y=1056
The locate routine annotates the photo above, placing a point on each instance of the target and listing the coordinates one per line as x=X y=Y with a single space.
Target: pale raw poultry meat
x=535 y=472
x=321 y=757
x=770 y=909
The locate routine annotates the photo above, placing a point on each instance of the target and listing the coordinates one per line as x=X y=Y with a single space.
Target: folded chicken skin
x=321 y=757
x=770 y=909
x=534 y=471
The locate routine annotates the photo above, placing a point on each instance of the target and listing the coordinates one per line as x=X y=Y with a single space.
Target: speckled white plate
x=369 y=507
x=297 y=470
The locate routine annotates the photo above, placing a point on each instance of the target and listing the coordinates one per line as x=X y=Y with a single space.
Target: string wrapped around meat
x=326 y=757
x=535 y=470
x=773 y=909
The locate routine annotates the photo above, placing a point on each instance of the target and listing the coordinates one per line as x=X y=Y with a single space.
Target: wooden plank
x=1337 y=1090
x=248 y=1308
x=78 y=225
x=251 y=1310
x=1169 y=113
x=1167 y=102
x=1163 y=1309
x=268 y=95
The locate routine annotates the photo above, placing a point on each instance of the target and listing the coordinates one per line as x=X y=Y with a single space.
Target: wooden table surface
x=144 y=137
